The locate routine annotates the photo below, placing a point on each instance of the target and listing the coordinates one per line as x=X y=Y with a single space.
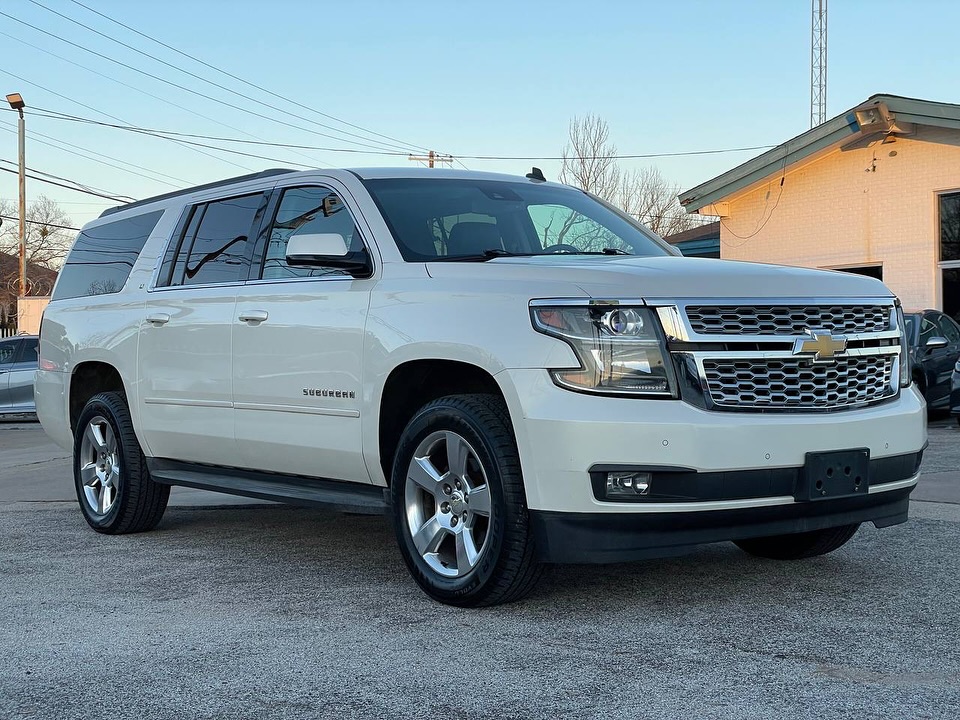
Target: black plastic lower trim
x=291 y=489
x=680 y=484
x=623 y=537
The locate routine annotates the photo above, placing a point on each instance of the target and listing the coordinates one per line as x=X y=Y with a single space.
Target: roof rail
x=196 y=188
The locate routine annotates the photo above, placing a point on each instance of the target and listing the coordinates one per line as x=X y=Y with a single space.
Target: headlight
x=906 y=377
x=620 y=349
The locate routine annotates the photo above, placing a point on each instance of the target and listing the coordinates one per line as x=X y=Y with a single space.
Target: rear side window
x=7 y=350
x=214 y=248
x=102 y=257
x=28 y=350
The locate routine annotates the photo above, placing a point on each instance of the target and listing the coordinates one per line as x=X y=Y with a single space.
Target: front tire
x=799 y=545
x=114 y=488
x=459 y=506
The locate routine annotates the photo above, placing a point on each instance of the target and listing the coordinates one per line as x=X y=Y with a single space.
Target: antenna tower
x=818 y=63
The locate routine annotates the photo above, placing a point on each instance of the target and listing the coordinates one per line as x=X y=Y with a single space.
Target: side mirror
x=301 y=249
x=328 y=250
x=936 y=342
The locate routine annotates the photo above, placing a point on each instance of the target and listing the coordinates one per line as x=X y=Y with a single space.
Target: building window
x=950 y=254
x=874 y=271
x=950 y=227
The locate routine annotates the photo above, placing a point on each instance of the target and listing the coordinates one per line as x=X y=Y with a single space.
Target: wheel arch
x=413 y=384
x=88 y=379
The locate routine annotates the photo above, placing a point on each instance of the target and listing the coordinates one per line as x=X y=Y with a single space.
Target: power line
x=179 y=86
x=38 y=222
x=53 y=114
x=114 y=117
x=123 y=200
x=245 y=82
x=35 y=135
x=140 y=90
x=194 y=75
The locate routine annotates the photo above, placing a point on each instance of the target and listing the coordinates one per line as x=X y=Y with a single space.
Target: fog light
x=628 y=484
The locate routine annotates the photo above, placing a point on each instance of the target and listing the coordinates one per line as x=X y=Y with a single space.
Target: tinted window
x=7 y=351
x=928 y=329
x=950 y=227
x=102 y=257
x=516 y=217
x=307 y=211
x=949 y=329
x=28 y=350
x=218 y=252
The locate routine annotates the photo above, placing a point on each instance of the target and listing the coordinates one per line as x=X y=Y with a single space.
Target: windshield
x=447 y=219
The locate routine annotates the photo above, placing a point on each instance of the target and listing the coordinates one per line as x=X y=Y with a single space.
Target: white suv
x=515 y=370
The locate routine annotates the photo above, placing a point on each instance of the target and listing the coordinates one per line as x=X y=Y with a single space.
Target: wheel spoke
x=109 y=441
x=102 y=504
x=457 y=455
x=95 y=435
x=428 y=538
x=88 y=474
x=466 y=551
x=479 y=500
x=424 y=474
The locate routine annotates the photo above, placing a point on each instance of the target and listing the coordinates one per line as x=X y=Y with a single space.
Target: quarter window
x=102 y=257
x=307 y=211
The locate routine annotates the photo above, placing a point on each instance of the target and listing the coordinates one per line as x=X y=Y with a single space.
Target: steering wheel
x=561 y=248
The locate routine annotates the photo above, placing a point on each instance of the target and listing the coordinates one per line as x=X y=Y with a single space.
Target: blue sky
x=469 y=78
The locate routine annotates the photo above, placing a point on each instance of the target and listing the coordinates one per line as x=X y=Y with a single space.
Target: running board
x=290 y=489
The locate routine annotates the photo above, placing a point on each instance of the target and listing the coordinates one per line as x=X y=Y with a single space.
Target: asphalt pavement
x=269 y=611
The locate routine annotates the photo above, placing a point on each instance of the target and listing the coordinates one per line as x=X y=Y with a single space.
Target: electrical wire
x=183 y=87
x=53 y=114
x=247 y=82
x=114 y=117
x=123 y=200
x=140 y=90
x=38 y=222
x=34 y=138
x=194 y=75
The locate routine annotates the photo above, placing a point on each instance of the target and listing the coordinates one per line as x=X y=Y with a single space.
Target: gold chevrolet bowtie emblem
x=822 y=345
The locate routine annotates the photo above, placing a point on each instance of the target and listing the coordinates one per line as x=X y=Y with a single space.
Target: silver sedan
x=18 y=364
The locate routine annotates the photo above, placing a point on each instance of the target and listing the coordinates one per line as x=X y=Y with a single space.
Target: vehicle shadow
x=310 y=555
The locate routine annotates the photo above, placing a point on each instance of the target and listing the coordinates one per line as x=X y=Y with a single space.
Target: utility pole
x=818 y=63
x=17 y=103
x=431 y=158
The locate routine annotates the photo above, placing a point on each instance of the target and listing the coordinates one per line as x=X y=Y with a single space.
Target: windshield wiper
x=605 y=251
x=489 y=254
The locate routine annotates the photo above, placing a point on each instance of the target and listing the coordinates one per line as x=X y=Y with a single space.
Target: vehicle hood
x=664 y=277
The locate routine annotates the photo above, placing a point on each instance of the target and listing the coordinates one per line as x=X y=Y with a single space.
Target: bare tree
x=46 y=242
x=589 y=163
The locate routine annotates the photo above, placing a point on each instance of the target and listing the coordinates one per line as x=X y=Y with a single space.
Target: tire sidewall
x=432 y=419
x=94 y=407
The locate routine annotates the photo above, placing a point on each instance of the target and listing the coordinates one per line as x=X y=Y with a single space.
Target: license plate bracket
x=835 y=474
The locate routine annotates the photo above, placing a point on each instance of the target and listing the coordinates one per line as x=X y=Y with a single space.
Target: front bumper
x=562 y=435
x=605 y=538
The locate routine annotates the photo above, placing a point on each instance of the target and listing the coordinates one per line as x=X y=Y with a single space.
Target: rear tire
x=114 y=488
x=459 y=506
x=799 y=545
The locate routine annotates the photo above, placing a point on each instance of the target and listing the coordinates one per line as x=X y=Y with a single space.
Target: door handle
x=254 y=316
x=158 y=319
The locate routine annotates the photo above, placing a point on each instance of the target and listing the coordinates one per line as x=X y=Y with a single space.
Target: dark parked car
x=18 y=364
x=955 y=392
x=934 y=340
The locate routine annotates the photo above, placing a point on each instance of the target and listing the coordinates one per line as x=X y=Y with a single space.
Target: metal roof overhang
x=833 y=134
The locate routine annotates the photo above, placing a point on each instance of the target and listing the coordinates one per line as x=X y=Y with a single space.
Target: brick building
x=875 y=190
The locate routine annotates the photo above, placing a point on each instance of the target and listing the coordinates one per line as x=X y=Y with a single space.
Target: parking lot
x=239 y=610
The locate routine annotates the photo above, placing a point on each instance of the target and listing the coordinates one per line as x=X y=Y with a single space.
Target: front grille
x=787 y=319
x=799 y=383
